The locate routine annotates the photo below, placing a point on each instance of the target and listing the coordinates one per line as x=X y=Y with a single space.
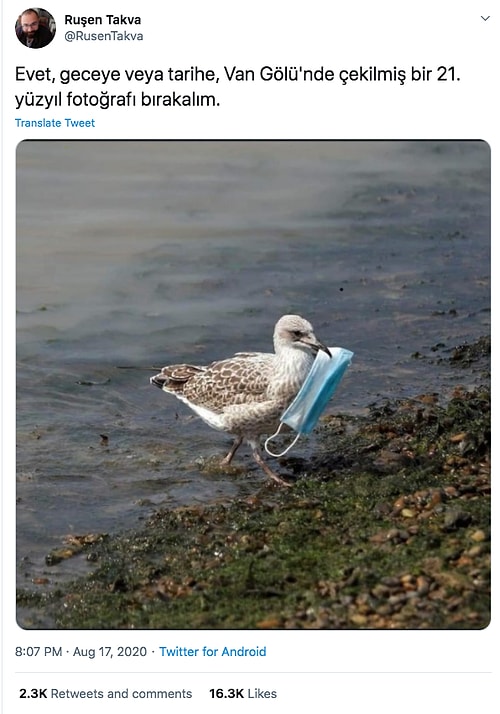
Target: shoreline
x=386 y=527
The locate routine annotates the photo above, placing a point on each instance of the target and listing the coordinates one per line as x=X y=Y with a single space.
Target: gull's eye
x=297 y=334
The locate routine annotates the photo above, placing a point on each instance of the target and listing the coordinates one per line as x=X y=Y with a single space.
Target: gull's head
x=292 y=331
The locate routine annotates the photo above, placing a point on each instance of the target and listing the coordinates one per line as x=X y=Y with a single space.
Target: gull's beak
x=315 y=345
x=324 y=348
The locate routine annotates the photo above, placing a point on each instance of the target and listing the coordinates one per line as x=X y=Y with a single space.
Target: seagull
x=245 y=395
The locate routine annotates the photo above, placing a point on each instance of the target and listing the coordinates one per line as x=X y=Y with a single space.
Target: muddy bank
x=388 y=526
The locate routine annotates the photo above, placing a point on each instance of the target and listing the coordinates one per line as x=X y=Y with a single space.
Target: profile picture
x=35 y=28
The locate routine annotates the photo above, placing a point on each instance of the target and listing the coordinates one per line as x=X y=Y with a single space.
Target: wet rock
x=455 y=519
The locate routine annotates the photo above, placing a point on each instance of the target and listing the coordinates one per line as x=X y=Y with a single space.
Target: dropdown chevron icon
x=485 y=18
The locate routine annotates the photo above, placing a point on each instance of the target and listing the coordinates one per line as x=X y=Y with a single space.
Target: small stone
x=458 y=437
x=407 y=578
x=454 y=519
x=435 y=499
x=40 y=581
x=478 y=536
x=380 y=591
x=397 y=599
x=474 y=551
x=423 y=585
x=358 y=619
x=400 y=503
x=270 y=624
x=392 y=534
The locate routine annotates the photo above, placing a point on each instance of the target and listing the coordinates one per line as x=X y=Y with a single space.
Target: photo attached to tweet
x=246 y=363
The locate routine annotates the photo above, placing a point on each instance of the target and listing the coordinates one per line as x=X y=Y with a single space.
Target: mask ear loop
x=276 y=456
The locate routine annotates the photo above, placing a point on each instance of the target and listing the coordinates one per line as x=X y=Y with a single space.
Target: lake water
x=148 y=253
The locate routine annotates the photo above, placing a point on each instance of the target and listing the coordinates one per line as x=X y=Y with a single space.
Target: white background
x=347 y=671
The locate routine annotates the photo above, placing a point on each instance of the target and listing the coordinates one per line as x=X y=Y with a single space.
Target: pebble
x=423 y=585
x=358 y=619
x=475 y=551
x=478 y=536
x=454 y=518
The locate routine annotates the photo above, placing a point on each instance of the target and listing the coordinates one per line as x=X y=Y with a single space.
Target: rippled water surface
x=145 y=253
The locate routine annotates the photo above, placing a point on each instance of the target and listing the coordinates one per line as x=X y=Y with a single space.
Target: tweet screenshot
x=246 y=329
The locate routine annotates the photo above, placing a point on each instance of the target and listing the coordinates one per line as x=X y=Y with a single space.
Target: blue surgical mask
x=319 y=385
